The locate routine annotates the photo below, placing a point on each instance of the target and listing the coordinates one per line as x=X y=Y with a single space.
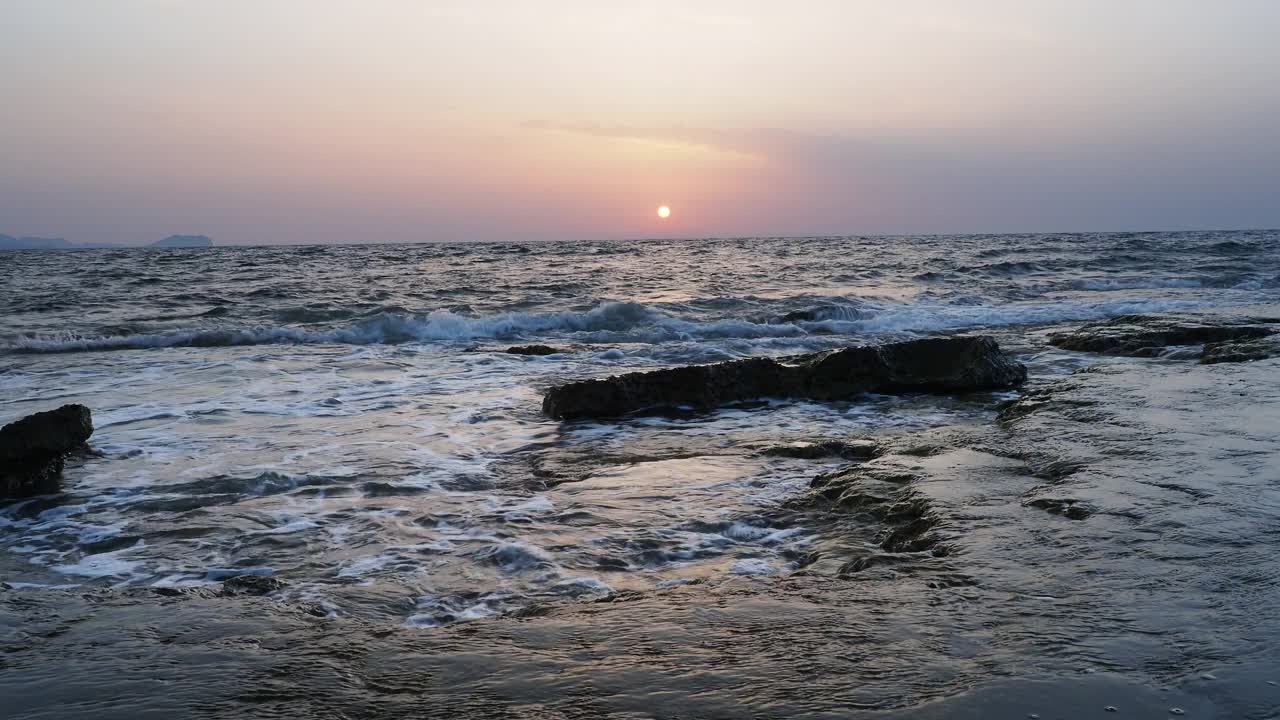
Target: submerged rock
x=533 y=350
x=885 y=496
x=1149 y=336
x=1066 y=507
x=942 y=365
x=33 y=449
x=251 y=585
x=849 y=450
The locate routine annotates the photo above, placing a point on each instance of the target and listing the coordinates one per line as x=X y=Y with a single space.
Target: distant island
x=9 y=242
x=184 y=241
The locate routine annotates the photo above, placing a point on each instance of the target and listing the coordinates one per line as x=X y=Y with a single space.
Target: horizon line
x=120 y=246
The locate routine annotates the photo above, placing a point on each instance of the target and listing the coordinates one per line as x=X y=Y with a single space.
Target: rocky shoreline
x=1043 y=562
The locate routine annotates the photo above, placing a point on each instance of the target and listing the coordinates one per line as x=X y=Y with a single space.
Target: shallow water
x=337 y=417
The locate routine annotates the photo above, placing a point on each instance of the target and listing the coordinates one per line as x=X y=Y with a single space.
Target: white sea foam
x=473 y=612
x=1107 y=284
x=517 y=556
x=288 y=528
x=753 y=566
x=743 y=531
x=42 y=586
x=536 y=505
x=437 y=610
x=360 y=567
x=218 y=574
x=101 y=565
x=581 y=586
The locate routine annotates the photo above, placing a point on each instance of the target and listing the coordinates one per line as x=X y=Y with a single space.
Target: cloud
x=994 y=180
x=829 y=155
x=728 y=141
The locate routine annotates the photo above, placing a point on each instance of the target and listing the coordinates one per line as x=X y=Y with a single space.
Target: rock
x=54 y=432
x=251 y=585
x=866 y=562
x=1147 y=336
x=854 y=450
x=312 y=609
x=184 y=592
x=33 y=449
x=533 y=350
x=1066 y=507
x=532 y=610
x=1247 y=351
x=886 y=496
x=822 y=312
x=809 y=315
x=940 y=365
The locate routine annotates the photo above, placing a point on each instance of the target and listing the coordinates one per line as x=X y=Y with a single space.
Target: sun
x=664 y=212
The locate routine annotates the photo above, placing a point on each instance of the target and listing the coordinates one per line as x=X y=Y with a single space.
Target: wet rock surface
x=556 y=467
x=942 y=365
x=530 y=350
x=888 y=499
x=1225 y=338
x=938 y=584
x=845 y=449
x=1105 y=539
x=252 y=585
x=33 y=449
x=535 y=350
x=1065 y=507
x=1241 y=350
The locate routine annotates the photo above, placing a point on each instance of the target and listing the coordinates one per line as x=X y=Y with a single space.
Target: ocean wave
x=926 y=318
x=384 y=328
x=1233 y=247
x=610 y=322
x=1009 y=267
x=823 y=312
x=309 y=315
x=1238 y=281
x=1104 y=284
x=621 y=322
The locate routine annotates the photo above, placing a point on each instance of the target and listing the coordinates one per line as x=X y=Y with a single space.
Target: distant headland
x=9 y=242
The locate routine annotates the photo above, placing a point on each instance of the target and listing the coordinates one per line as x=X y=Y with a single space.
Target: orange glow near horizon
x=397 y=121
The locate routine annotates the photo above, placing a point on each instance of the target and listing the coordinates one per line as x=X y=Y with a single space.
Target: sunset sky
x=263 y=121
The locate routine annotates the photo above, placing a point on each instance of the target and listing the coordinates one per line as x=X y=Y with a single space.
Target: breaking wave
x=1105 y=284
x=614 y=322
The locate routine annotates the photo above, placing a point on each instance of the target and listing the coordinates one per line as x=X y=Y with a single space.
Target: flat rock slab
x=1149 y=336
x=1241 y=351
x=935 y=365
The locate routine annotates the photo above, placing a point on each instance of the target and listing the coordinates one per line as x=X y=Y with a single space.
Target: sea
x=346 y=420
